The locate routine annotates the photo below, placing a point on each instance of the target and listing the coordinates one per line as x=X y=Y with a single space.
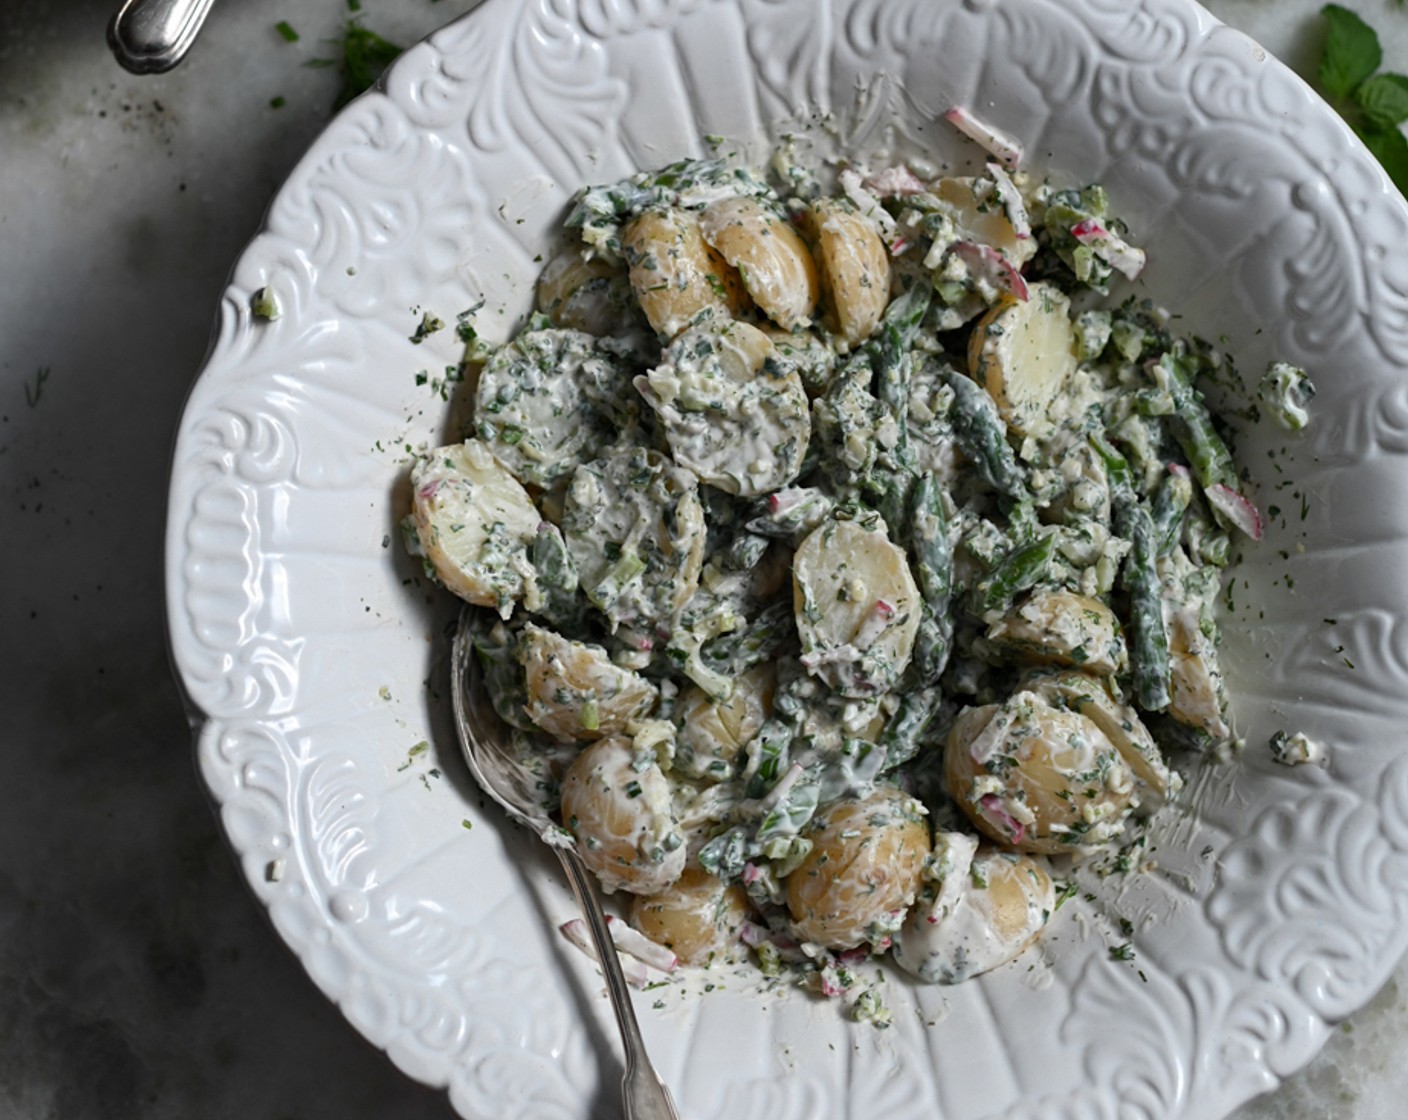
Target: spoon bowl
x=504 y=778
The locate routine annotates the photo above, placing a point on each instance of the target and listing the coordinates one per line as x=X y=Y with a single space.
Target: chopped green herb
x=277 y=102
x=365 y=54
x=284 y=28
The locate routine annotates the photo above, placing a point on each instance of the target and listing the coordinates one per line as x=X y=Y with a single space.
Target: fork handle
x=642 y=1091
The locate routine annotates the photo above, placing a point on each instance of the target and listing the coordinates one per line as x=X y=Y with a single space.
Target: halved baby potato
x=1023 y=352
x=587 y=294
x=475 y=524
x=698 y=917
x=713 y=732
x=1060 y=627
x=857 y=607
x=854 y=269
x=863 y=870
x=1037 y=778
x=734 y=413
x=1092 y=698
x=981 y=221
x=575 y=690
x=618 y=808
x=773 y=261
x=676 y=274
x=1196 y=692
x=989 y=909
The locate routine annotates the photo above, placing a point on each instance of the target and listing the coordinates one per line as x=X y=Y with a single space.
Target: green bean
x=1171 y=502
x=760 y=640
x=902 y=733
x=745 y=553
x=792 y=513
x=933 y=643
x=1148 y=636
x=893 y=360
x=557 y=578
x=495 y=647
x=929 y=541
x=888 y=492
x=1021 y=569
x=982 y=436
x=1191 y=424
x=1117 y=472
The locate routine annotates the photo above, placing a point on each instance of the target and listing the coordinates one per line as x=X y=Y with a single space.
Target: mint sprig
x=1373 y=103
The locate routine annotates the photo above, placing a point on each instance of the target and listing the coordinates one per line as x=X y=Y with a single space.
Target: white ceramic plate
x=314 y=653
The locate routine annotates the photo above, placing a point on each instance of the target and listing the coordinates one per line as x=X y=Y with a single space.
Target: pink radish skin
x=1236 y=509
x=990 y=265
x=996 y=143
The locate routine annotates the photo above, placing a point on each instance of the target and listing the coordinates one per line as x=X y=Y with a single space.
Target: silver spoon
x=509 y=783
x=152 y=36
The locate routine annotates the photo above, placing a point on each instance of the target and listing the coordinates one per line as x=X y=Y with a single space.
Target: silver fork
x=513 y=786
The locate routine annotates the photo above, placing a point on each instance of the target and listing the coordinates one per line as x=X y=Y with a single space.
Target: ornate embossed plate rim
x=250 y=645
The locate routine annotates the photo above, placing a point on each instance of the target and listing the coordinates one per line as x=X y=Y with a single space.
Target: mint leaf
x=1384 y=99
x=1390 y=148
x=1352 y=52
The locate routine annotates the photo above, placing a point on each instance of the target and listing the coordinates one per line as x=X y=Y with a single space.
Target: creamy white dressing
x=963 y=936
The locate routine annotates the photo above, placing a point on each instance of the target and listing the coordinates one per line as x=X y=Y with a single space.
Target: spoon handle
x=152 y=36
x=645 y=1097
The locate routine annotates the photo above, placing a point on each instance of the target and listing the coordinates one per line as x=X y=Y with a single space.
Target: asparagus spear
x=982 y=436
x=933 y=571
x=901 y=735
x=1148 y=636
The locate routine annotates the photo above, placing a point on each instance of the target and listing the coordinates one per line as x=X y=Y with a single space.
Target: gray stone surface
x=137 y=976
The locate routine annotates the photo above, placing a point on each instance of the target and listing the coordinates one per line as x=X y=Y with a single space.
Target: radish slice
x=637 y=973
x=895 y=182
x=1238 y=511
x=866 y=202
x=990 y=805
x=996 y=143
x=632 y=941
x=1113 y=249
x=987 y=264
x=874 y=624
x=1011 y=198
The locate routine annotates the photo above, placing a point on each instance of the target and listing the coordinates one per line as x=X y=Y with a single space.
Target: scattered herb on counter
x=284 y=28
x=1373 y=102
x=277 y=102
x=365 y=55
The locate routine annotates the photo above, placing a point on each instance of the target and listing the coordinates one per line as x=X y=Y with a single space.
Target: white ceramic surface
x=315 y=651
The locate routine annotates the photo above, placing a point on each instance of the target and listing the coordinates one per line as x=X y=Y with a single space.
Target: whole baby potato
x=863 y=870
x=698 y=917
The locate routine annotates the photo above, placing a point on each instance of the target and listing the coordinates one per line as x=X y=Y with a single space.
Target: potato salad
x=846 y=554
